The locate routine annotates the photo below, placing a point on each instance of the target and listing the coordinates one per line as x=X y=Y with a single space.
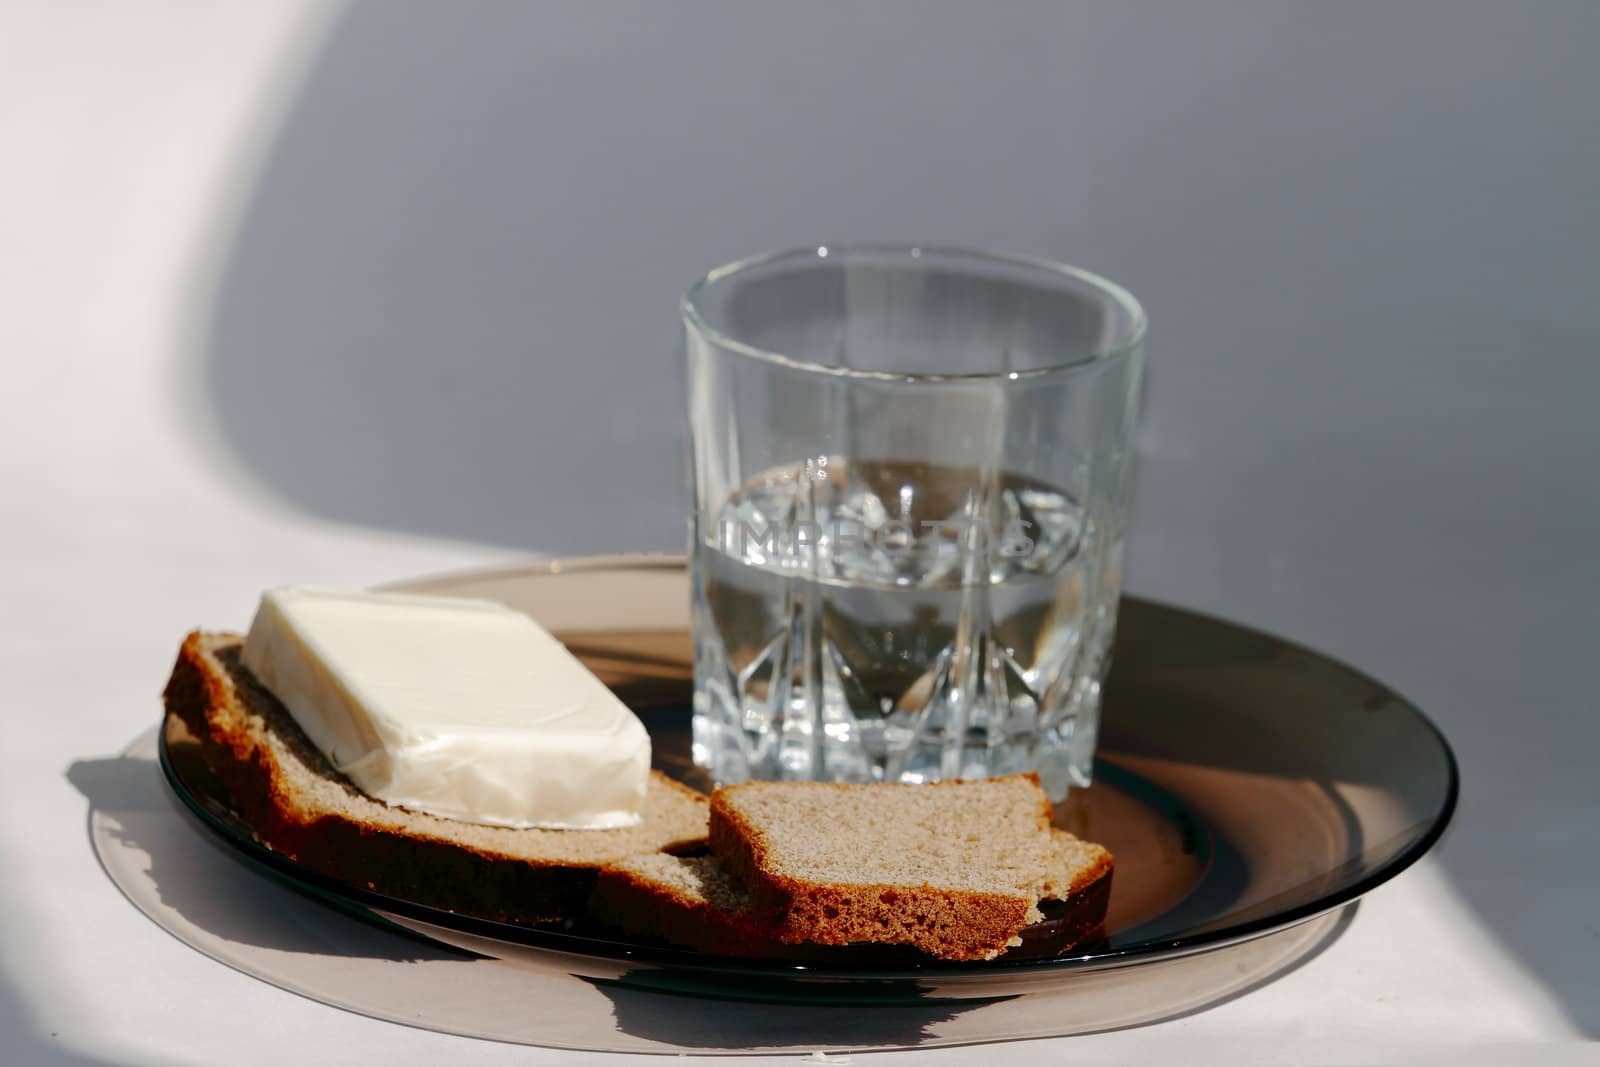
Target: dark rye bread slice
x=695 y=901
x=281 y=785
x=956 y=868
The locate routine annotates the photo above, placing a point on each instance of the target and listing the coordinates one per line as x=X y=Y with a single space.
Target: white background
x=309 y=293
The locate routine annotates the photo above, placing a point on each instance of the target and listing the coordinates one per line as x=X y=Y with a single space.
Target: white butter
x=464 y=709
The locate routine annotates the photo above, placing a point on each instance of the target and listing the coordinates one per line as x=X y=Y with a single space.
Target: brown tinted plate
x=1244 y=784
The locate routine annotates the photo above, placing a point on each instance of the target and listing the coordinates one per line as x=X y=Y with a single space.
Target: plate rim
x=325 y=888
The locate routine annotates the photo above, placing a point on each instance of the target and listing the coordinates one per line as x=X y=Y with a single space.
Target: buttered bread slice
x=284 y=787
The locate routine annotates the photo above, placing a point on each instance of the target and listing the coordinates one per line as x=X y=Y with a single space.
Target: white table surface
x=126 y=148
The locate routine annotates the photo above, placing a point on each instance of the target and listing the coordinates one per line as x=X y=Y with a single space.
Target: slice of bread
x=695 y=901
x=283 y=786
x=955 y=868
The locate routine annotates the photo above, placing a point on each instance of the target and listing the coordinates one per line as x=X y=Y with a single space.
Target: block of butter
x=460 y=708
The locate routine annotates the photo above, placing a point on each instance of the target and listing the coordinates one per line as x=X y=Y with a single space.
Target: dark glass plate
x=1244 y=784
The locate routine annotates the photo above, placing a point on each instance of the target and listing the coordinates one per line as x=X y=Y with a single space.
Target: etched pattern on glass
x=900 y=622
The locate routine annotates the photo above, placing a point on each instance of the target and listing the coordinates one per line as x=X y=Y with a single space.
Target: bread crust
x=297 y=804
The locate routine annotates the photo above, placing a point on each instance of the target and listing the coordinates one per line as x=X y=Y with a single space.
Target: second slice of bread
x=955 y=869
x=695 y=901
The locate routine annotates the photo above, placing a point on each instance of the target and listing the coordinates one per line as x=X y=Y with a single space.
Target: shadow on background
x=449 y=307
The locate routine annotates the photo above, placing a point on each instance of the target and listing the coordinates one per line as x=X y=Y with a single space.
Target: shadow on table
x=690 y=1021
x=694 y=1022
x=226 y=898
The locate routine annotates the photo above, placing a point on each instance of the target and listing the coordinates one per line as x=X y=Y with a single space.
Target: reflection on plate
x=1244 y=784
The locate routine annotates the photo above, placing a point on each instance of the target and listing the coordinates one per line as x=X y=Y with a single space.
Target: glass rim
x=1104 y=288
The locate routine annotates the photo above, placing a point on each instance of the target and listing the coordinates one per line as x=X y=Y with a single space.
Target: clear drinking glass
x=910 y=473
